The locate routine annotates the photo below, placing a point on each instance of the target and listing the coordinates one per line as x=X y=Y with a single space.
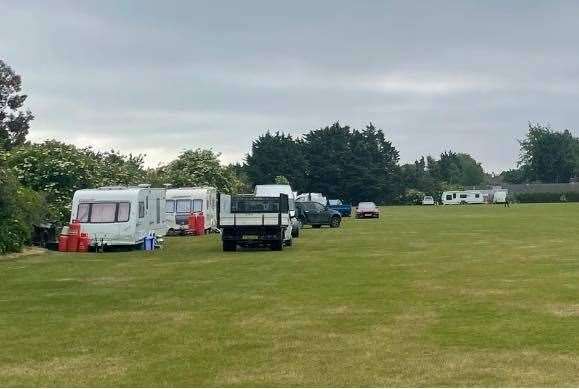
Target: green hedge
x=547 y=197
x=20 y=208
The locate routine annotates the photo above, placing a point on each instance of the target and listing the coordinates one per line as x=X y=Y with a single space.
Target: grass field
x=461 y=296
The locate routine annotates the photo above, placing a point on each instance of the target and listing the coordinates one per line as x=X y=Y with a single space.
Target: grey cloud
x=157 y=77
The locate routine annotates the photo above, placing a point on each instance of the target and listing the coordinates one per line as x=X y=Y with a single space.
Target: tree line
x=37 y=180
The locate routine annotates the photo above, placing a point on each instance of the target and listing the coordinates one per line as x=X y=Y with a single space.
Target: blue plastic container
x=149 y=242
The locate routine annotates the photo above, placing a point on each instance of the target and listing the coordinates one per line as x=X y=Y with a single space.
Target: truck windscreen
x=255 y=205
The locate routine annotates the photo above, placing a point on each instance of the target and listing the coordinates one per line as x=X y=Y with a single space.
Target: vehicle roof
x=188 y=192
x=113 y=193
x=274 y=189
x=463 y=191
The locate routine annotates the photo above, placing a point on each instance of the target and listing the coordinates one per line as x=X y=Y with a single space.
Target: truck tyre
x=335 y=222
x=229 y=245
x=277 y=246
x=295 y=233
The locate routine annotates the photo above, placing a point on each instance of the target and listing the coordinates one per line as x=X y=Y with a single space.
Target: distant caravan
x=462 y=197
x=500 y=196
x=182 y=202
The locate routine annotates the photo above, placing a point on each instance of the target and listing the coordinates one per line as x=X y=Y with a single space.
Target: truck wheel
x=277 y=246
x=335 y=222
x=229 y=245
x=296 y=233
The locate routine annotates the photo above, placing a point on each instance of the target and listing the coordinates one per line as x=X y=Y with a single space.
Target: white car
x=428 y=200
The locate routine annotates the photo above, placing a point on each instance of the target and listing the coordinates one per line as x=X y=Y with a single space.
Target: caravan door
x=142 y=222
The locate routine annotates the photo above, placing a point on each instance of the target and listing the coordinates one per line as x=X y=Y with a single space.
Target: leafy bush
x=20 y=208
x=57 y=170
x=196 y=168
x=547 y=197
x=413 y=196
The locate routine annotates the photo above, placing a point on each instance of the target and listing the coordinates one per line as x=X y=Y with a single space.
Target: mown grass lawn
x=461 y=296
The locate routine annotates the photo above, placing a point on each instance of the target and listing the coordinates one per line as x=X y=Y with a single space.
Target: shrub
x=20 y=208
x=547 y=197
x=57 y=170
x=413 y=196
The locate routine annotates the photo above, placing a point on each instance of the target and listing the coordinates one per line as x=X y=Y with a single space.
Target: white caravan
x=462 y=197
x=274 y=191
x=316 y=197
x=182 y=202
x=120 y=216
x=500 y=196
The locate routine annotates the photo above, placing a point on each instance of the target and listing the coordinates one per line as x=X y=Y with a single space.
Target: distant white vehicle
x=462 y=197
x=181 y=202
x=274 y=190
x=428 y=200
x=120 y=216
x=316 y=197
x=500 y=196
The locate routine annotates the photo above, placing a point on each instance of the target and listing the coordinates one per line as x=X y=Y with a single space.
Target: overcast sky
x=158 y=77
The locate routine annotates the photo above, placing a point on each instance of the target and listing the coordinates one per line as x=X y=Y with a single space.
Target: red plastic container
x=74 y=228
x=72 y=243
x=83 y=243
x=200 y=224
x=191 y=223
x=63 y=243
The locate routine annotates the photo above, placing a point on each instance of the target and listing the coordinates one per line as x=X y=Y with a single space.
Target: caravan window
x=477 y=195
x=83 y=213
x=123 y=212
x=463 y=196
x=449 y=197
x=183 y=206
x=141 y=209
x=454 y=195
x=103 y=213
x=170 y=206
x=198 y=205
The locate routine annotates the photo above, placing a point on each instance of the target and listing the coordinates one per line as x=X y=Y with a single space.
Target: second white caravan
x=462 y=197
x=181 y=202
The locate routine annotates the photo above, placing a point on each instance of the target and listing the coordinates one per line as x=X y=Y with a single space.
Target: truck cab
x=254 y=221
x=274 y=190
